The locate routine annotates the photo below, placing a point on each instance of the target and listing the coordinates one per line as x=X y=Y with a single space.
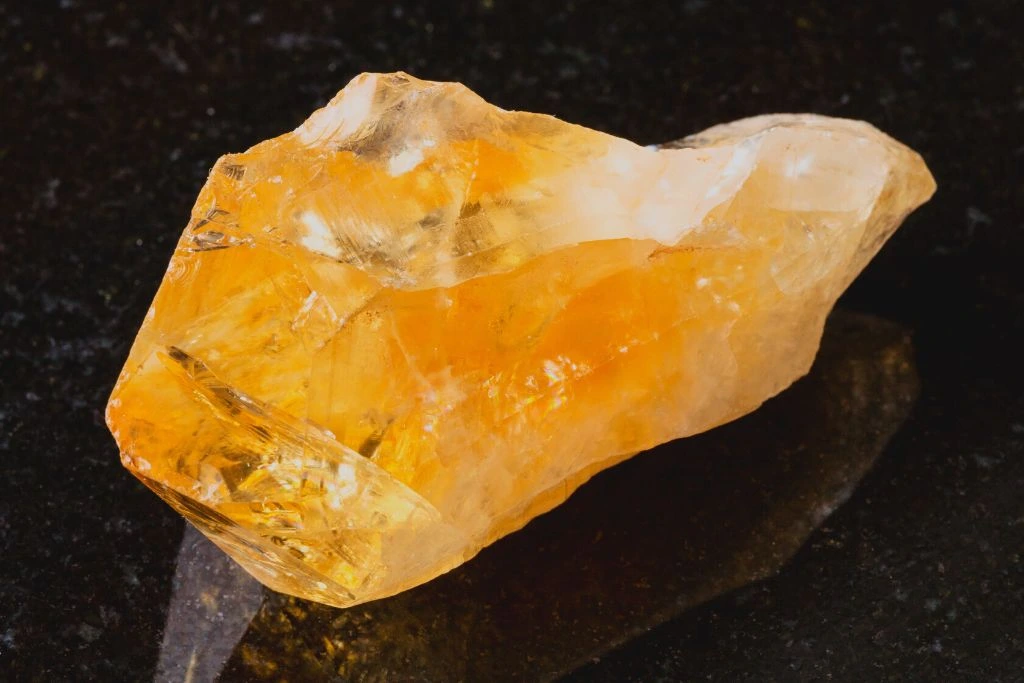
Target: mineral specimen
x=403 y=330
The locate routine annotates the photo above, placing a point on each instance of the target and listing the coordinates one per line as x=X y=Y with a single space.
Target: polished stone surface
x=115 y=114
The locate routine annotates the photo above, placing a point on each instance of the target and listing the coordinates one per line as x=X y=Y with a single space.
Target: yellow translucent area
x=405 y=329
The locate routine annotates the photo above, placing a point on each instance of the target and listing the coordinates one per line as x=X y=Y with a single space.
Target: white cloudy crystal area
x=614 y=189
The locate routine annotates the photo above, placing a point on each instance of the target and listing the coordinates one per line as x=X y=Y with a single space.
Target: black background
x=112 y=114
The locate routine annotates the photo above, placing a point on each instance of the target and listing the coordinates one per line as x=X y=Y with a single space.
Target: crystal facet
x=403 y=330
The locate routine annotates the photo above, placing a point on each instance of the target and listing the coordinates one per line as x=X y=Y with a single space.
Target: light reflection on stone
x=635 y=547
x=212 y=603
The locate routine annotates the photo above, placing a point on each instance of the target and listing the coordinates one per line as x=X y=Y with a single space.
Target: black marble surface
x=113 y=112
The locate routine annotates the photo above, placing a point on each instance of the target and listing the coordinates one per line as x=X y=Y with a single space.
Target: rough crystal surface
x=403 y=330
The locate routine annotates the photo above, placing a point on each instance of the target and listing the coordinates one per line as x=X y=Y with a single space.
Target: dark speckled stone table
x=112 y=114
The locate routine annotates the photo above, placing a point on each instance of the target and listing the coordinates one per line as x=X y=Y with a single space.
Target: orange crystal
x=403 y=330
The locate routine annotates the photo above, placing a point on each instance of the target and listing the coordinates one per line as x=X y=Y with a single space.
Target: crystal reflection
x=212 y=602
x=631 y=549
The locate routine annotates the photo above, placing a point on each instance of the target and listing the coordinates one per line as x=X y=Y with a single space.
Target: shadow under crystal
x=639 y=544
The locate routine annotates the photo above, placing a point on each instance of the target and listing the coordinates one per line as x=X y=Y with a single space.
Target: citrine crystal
x=406 y=328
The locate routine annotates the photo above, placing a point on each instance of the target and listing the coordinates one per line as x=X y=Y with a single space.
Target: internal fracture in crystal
x=401 y=331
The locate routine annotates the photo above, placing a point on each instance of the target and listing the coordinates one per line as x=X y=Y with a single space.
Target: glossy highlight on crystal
x=405 y=329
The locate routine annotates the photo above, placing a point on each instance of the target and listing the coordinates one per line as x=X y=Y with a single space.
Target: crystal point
x=406 y=328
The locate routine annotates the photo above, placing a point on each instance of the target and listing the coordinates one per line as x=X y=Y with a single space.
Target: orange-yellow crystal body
x=400 y=332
